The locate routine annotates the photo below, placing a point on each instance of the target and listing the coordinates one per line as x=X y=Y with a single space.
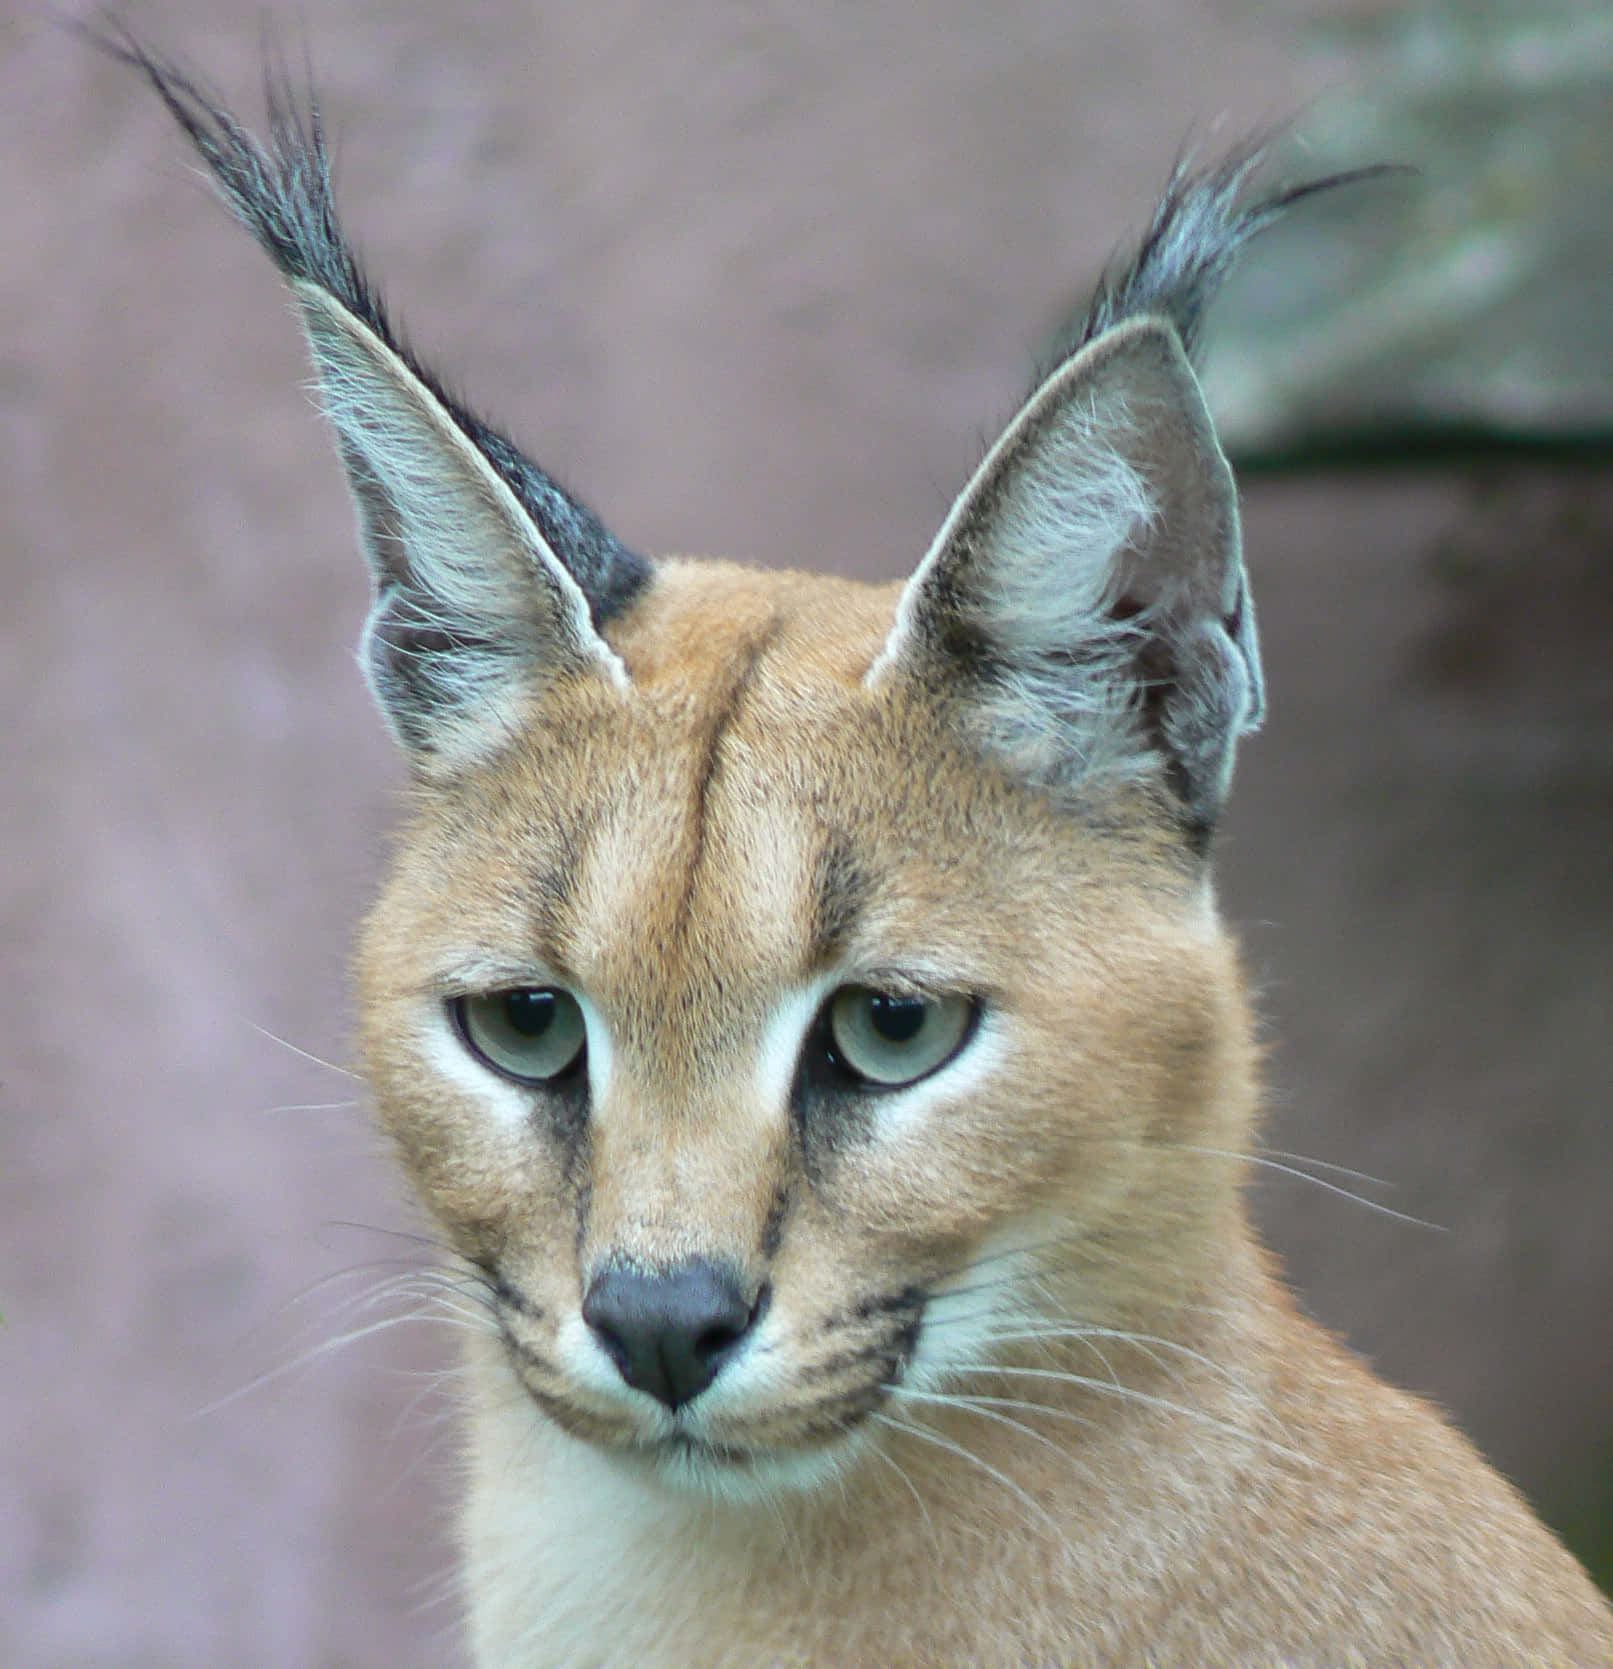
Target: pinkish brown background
x=755 y=279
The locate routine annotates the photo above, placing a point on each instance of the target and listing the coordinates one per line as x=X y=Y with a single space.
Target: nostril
x=717 y=1339
x=724 y=1335
x=759 y=1308
x=614 y=1345
x=670 y=1333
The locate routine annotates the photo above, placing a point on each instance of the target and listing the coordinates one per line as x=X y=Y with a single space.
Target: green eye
x=533 y=1034
x=891 y=1040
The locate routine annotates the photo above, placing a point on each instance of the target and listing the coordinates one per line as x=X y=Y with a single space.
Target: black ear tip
x=478 y=557
x=1205 y=216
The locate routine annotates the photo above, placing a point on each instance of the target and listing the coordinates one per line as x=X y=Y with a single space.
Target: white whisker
x=309 y=1107
x=1144 y=1399
x=926 y=1434
x=329 y=1066
x=912 y=1488
x=1291 y=1165
x=434 y=1296
x=1270 y=1164
x=1326 y=1165
x=978 y=1403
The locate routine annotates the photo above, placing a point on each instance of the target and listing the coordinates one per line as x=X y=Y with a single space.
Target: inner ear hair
x=1085 y=601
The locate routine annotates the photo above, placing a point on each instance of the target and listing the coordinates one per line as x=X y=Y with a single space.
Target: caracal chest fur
x=804 y=1010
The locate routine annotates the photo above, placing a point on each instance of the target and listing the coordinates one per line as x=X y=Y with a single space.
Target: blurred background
x=761 y=279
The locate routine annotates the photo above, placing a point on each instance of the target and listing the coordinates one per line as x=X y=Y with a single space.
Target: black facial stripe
x=515 y=1300
x=710 y=764
x=889 y=1325
x=840 y=896
x=526 y=1355
x=909 y=1300
x=773 y=1228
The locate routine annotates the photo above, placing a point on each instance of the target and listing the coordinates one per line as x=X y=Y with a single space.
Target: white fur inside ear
x=1072 y=505
x=1095 y=549
x=458 y=559
x=1058 y=708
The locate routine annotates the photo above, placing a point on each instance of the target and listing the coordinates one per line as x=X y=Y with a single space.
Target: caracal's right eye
x=533 y=1034
x=890 y=1041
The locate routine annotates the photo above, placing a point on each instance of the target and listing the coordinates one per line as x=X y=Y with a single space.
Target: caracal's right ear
x=488 y=579
x=1083 y=610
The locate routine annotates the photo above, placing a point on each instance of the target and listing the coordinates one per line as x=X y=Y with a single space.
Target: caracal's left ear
x=478 y=603
x=489 y=582
x=1084 y=609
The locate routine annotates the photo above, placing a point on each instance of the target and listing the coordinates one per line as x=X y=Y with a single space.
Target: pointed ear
x=472 y=605
x=488 y=579
x=1085 y=605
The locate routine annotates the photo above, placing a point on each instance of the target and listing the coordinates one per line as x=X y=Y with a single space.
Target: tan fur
x=1184 y=1471
x=780 y=1364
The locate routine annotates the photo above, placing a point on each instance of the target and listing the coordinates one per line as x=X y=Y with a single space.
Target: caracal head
x=789 y=993
x=789 y=1005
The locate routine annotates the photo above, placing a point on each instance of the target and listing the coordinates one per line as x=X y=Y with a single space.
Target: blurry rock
x=1470 y=302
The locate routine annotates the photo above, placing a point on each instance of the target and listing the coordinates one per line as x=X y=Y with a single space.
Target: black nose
x=669 y=1333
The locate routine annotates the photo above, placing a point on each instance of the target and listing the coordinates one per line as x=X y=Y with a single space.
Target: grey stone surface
x=758 y=280
x=1471 y=301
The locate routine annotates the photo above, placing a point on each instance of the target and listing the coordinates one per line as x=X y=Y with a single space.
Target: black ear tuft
x=1203 y=219
x=1084 y=608
x=486 y=572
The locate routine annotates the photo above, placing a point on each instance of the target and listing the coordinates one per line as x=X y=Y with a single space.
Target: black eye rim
x=569 y=1076
x=821 y=1049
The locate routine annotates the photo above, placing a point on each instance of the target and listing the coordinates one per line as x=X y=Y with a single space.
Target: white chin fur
x=686 y=1471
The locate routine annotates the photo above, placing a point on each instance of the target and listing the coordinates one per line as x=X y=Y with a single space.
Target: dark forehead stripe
x=741 y=670
x=550 y=886
x=840 y=895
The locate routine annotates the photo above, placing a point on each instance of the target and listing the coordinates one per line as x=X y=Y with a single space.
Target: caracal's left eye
x=890 y=1040
x=533 y=1034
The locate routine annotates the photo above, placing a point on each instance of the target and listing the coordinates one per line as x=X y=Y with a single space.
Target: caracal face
x=702 y=860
